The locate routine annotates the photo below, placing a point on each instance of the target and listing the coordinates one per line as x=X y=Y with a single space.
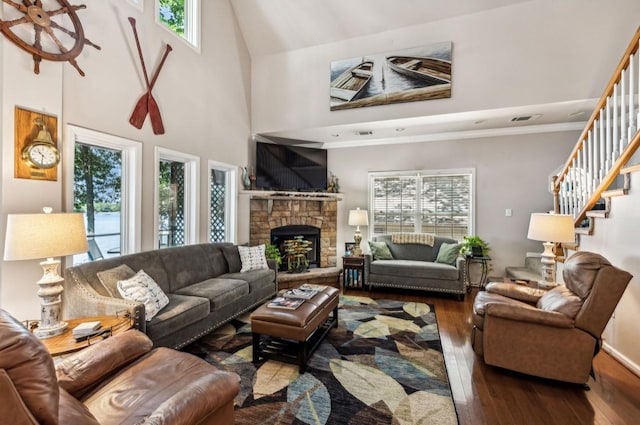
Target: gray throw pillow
x=448 y=253
x=109 y=278
x=232 y=256
x=380 y=250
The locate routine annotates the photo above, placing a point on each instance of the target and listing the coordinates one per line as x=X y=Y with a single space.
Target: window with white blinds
x=437 y=202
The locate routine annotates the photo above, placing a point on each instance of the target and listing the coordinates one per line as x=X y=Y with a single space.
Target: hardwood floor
x=493 y=396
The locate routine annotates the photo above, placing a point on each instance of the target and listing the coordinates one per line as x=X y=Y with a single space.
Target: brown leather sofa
x=120 y=380
x=549 y=333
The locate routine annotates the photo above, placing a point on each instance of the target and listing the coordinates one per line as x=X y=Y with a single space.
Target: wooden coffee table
x=65 y=343
x=293 y=335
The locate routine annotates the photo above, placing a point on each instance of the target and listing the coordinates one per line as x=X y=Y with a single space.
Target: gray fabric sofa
x=203 y=283
x=414 y=267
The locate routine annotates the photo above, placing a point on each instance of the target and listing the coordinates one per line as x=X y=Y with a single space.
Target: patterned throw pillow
x=448 y=253
x=142 y=288
x=252 y=258
x=380 y=250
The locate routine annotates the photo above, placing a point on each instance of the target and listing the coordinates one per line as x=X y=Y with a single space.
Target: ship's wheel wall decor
x=48 y=29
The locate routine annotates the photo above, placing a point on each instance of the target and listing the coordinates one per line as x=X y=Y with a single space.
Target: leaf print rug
x=383 y=364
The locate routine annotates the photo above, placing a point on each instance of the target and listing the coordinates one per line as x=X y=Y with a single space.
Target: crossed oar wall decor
x=147 y=103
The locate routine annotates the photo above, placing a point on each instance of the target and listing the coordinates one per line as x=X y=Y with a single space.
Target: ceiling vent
x=364 y=133
x=525 y=118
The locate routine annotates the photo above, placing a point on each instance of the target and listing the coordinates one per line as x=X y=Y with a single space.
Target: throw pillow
x=142 y=288
x=252 y=258
x=233 y=258
x=109 y=278
x=448 y=253
x=380 y=250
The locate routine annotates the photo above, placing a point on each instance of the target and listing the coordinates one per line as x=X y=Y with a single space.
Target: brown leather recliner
x=120 y=380
x=551 y=334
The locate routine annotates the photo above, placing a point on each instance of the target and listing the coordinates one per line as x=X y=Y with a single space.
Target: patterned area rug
x=382 y=365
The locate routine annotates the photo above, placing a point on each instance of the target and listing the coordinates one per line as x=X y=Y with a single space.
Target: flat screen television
x=294 y=168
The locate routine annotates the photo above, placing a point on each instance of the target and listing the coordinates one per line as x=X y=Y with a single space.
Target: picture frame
x=348 y=248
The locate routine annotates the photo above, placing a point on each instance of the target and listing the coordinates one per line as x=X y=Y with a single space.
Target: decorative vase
x=246 y=182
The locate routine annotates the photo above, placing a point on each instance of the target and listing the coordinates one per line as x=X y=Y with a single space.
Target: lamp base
x=51 y=305
x=548 y=260
x=357 y=238
x=51 y=331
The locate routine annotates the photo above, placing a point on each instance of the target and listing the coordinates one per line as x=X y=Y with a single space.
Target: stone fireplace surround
x=273 y=210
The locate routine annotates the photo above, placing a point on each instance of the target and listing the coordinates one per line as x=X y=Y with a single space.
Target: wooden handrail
x=624 y=62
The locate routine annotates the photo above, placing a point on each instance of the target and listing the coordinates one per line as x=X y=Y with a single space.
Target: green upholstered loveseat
x=203 y=283
x=413 y=267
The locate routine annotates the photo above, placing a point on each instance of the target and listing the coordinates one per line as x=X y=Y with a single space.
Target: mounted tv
x=294 y=168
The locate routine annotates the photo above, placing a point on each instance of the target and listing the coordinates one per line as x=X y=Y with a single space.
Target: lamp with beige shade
x=34 y=236
x=550 y=229
x=358 y=218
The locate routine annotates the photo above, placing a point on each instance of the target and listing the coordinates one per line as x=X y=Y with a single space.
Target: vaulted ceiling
x=275 y=26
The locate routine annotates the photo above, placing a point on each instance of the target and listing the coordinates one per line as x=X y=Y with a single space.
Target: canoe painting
x=351 y=83
x=419 y=73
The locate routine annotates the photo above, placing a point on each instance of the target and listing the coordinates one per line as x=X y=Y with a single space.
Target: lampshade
x=551 y=228
x=37 y=236
x=358 y=217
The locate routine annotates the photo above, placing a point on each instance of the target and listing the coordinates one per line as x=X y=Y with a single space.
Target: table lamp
x=33 y=236
x=358 y=218
x=550 y=229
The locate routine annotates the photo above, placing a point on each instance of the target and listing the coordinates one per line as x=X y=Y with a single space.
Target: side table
x=65 y=343
x=353 y=272
x=484 y=268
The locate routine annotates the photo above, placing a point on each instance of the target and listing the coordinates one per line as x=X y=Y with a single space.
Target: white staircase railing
x=608 y=141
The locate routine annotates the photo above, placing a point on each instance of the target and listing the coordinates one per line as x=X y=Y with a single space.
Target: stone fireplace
x=269 y=212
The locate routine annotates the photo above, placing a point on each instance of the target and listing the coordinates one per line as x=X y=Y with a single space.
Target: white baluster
x=562 y=193
x=592 y=153
x=617 y=145
x=585 y=172
x=579 y=179
x=632 y=97
x=602 y=142
x=608 y=140
x=574 y=186
x=623 y=109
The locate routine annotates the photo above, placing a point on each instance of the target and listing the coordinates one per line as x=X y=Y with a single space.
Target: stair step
x=598 y=213
x=614 y=192
x=630 y=169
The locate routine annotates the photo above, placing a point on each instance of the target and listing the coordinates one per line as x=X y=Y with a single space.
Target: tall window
x=222 y=195
x=182 y=17
x=106 y=189
x=177 y=195
x=437 y=202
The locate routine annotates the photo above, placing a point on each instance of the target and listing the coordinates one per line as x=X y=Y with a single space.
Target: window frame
x=131 y=179
x=418 y=174
x=191 y=192
x=231 y=203
x=192 y=23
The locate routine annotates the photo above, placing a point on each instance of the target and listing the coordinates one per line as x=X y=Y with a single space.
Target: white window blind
x=423 y=202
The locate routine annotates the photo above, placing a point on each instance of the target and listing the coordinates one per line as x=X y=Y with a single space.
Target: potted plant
x=474 y=246
x=273 y=253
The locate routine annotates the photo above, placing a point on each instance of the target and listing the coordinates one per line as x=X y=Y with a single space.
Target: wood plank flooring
x=493 y=396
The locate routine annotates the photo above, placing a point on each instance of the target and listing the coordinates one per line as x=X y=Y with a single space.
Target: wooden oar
x=147 y=103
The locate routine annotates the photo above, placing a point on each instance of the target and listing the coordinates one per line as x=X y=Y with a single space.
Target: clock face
x=41 y=155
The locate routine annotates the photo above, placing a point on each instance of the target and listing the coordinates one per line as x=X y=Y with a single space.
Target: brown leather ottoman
x=293 y=335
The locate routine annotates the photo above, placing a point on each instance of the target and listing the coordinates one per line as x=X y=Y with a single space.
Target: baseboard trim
x=626 y=362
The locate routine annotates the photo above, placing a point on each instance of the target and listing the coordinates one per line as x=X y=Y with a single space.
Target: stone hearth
x=277 y=210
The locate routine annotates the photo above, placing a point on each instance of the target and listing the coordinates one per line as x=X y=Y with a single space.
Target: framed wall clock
x=36 y=153
x=47 y=29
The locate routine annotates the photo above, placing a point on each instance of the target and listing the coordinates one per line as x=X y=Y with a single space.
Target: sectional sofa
x=203 y=283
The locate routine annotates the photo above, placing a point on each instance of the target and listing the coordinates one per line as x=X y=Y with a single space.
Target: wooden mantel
x=271 y=196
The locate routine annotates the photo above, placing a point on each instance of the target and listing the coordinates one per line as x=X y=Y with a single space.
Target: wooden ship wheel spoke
x=59 y=44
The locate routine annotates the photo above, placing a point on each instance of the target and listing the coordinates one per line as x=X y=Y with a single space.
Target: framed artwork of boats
x=419 y=73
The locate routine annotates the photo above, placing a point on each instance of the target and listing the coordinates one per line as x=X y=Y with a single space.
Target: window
x=176 y=219
x=181 y=17
x=222 y=206
x=106 y=188
x=437 y=202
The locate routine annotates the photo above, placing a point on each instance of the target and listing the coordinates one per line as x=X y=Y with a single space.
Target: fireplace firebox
x=280 y=234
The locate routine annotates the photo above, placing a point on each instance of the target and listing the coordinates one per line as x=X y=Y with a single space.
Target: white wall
x=535 y=52
x=511 y=172
x=204 y=100
x=616 y=238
